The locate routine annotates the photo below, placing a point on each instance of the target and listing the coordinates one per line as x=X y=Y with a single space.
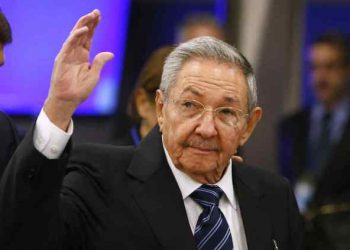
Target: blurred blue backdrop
x=39 y=29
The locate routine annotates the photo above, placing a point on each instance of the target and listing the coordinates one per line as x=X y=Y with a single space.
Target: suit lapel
x=158 y=196
x=256 y=222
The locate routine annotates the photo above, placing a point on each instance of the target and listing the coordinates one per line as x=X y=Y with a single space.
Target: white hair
x=207 y=48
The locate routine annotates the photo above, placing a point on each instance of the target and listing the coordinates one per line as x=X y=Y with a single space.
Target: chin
x=197 y=167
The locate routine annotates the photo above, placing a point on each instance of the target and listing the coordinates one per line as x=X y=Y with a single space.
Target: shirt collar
x=187 y=185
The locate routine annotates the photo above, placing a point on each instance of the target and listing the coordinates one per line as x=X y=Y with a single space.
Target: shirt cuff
x=48 y=139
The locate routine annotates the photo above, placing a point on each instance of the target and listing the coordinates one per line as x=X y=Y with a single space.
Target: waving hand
x=73 y=77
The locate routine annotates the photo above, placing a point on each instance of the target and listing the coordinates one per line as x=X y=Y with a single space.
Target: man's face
x=2 y=56
x=329 y=73
x=202 y=146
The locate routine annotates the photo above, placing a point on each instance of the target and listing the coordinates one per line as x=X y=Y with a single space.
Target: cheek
x=230 y=142
x=175 y=133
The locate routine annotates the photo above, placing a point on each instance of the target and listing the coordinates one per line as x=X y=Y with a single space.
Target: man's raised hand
x=73 y=77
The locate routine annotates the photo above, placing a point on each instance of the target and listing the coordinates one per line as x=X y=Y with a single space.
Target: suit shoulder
x=101 y=149
x=101 y=155
x=3 y=116
x=6 y=123
x=294 y=122
x=94 y=167
x=260 y=177
x=297 y=116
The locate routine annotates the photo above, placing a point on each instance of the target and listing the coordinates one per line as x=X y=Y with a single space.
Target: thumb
x=99 y=61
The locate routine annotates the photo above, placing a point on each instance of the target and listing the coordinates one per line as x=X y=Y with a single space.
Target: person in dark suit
x=315 y=141
x=178 y=189
x=8 y=131
x=9 y=140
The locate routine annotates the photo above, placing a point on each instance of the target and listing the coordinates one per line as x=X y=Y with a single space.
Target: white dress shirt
x=50 y=141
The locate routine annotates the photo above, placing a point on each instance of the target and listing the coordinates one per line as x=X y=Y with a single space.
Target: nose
x=206 y=127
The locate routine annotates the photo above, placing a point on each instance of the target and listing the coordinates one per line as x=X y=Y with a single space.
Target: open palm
x=73 y=77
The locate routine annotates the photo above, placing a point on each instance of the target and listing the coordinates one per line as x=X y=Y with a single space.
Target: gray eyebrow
x=228 y=99
x=192 y=90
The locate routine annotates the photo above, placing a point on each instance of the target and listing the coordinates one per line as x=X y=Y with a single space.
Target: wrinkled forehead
x=204 y=77
x=224 y=73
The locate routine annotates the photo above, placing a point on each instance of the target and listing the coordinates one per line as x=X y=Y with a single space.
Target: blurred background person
x=5 y=36
x=8 y=131
x=310 y=137
x=141 y=107
x=199 y=24
x=315 y=141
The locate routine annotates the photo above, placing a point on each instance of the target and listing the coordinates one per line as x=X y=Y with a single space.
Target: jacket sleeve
x=30 y=199
x=9 y=140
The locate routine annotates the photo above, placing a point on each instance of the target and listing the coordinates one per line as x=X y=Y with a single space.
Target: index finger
x=87 y=40
x=73 y=39
x=87 y=19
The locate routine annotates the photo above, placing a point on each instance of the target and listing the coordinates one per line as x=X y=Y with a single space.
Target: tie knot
x=207 y=196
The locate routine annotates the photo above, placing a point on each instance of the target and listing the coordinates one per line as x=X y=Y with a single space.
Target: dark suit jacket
x=334 y=184
x=8 y=140
x=126 y=198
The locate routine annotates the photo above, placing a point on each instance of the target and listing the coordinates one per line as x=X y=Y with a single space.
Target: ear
x=253 y=120
x=142 y=102
x=160 y=108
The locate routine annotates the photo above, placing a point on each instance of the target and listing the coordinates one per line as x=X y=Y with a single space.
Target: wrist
x=59 y=112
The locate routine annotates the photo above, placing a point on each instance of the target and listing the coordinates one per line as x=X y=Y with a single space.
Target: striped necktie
x=212 y=231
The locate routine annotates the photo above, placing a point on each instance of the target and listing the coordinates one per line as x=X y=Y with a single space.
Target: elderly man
x=177 y=190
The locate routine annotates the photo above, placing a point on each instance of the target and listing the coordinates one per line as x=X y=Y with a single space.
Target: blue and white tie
x=212 y=231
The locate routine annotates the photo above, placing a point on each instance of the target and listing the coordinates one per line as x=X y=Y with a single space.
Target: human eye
x=227 y=115
x=189 y=105
x=229 y=112
x=189 y=108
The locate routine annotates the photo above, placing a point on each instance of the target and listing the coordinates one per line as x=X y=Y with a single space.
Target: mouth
x=202 y=149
